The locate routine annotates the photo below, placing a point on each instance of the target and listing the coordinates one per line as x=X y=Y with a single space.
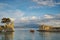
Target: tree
x=5 y=20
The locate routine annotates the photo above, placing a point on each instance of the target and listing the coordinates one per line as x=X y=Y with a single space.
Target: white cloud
x=54 y=23
x=48 y=16
x=7 y=10
x=33 y=17
x=12 y=13
x=50 y=3
x=53 y=20
x=15 y=15
x=24 y=19
x=29 y=18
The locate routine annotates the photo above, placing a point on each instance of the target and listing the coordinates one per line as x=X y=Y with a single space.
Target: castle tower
x=9 y=24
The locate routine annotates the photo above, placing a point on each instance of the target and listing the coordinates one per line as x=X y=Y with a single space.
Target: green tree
x=5 y=20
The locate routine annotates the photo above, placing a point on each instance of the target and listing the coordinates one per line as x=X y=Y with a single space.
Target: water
x=25 y=34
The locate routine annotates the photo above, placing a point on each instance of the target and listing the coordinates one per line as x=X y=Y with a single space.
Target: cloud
x=47 y=19
x=33 y=17
x=29 y=18
x=55 y=23
x=43 y=3
x=24 y=19
x=12 y=13
x=53 y=20
x=48 y=16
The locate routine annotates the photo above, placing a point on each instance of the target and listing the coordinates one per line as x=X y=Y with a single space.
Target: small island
x=8 y=25
x=47 y=28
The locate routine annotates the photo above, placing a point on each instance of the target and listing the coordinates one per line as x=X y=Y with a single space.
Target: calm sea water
x=25 y=34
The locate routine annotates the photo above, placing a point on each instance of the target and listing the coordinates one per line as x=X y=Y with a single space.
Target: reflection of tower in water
x=7 y=36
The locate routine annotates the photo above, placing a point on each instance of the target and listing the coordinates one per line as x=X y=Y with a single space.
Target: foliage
x=5 y=20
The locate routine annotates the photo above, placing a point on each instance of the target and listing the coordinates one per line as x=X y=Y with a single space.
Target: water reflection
x=32 y=35
x=50 y=35
x=6 y=36
x=27 y=35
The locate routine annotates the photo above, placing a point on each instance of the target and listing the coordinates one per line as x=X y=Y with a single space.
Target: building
x=9 y=25
x=49 y=28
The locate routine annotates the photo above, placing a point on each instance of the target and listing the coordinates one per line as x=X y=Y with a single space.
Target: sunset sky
x=31 y=11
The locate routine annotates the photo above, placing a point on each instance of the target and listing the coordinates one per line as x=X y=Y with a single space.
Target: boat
x=31 y=30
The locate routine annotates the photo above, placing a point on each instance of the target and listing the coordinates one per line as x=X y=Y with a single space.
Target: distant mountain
x=31 y=25
x=27 y=26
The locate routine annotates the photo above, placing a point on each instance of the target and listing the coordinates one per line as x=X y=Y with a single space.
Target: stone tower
x=9 y=25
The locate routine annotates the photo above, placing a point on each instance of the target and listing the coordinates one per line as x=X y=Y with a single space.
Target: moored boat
x=31 y=30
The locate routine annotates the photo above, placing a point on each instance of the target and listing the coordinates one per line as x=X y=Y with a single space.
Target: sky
x=31 y=11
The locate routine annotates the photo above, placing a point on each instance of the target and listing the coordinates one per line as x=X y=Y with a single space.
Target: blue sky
x=27 y=10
